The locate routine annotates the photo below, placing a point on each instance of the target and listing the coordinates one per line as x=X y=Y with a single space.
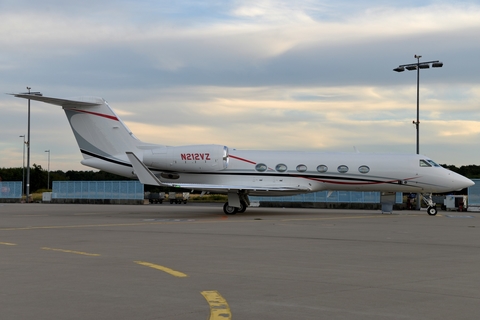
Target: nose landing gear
x=432 y=211
x=431 y=206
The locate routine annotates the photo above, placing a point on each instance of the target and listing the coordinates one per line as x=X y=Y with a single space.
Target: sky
x=278 y=75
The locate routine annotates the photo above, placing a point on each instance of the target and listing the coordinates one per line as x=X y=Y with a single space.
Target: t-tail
x=101 y=135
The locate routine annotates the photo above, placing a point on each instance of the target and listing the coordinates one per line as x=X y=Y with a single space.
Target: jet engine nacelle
x=194 y=158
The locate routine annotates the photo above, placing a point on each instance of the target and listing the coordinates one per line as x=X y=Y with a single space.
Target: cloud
x=270 y=117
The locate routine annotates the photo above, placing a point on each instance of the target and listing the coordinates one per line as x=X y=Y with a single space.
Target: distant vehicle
x=455 y=202
x=107 y=144
x=178 y=197
x=156 y=197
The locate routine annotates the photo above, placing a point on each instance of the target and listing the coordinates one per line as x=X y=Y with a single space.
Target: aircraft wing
x=143 y=173
x=233 y=187
x=147 y=177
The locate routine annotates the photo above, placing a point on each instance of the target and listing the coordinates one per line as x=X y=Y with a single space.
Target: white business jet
x=107 y=144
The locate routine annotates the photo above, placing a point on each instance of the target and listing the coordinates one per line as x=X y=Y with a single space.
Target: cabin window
x=261 y=167
x=363 y=169
x=281 y=167
x=424 y=163
x=322 y=168
x=342 y=169
x=301 y=168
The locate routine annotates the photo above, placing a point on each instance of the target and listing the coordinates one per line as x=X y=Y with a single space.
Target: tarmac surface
x=192 y=262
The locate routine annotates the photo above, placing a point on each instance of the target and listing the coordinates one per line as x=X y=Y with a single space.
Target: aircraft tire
x=431 y=211
x=243 y=207
x=229 y=209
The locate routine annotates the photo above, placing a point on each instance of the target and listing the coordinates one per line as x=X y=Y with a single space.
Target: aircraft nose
x=470 y=183
x=462 y=182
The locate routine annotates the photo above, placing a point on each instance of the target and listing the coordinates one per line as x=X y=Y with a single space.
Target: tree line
x=39 y=176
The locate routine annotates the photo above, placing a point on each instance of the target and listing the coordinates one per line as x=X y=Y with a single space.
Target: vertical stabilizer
x=99 y=132
x=101 y=135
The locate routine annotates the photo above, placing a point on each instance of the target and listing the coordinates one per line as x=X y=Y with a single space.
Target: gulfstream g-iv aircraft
x=107 y=144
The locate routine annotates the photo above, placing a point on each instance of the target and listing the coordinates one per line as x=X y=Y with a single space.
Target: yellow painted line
x=219 y=308
x=71 y=251
x=162 y=268
x=8 y=244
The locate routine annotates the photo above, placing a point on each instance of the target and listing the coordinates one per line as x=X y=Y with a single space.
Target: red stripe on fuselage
x=241 y=159
x=97 y=114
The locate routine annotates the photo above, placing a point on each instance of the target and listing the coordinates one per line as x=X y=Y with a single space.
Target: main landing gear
x=234 y=210
x=431 y=206
x=237 y=202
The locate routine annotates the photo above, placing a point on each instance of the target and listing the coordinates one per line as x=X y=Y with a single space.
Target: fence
x=11 y=190
x=474 y=194
x=97 y=190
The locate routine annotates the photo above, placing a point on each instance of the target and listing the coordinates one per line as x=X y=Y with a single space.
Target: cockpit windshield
x=428 y=163
x=433 y=163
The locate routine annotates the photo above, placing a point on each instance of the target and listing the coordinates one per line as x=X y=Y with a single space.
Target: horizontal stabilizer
x=81 y=102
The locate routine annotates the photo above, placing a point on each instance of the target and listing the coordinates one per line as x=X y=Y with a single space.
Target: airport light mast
x=28 y=143
x=48 y=174
x=417 y=66
x=23 y=166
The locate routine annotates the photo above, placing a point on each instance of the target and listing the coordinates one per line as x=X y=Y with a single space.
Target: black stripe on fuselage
x=91 y=154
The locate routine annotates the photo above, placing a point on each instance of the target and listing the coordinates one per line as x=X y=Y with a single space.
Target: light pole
x=48 y=170
x=417 y=66
x=28 y=142
x=28 y=149
x=23 y=166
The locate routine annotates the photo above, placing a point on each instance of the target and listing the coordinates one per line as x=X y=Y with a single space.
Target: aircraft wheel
x=243 y=207
x=432 y=211
x=229 y=209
